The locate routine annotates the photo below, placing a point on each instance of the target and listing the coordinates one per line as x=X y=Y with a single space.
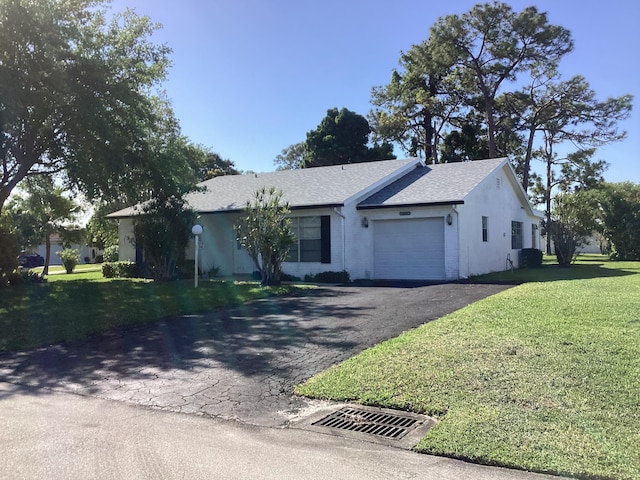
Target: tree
x=215 y=166
x=620 y=217
x=342 y=137
x=265 y=232
x=292 y=157
x=570 y=225
x=415 y=106
x=489 y=45
x=43 y=211
x=163 y=231
x=102 y=232
x=563 y=111
x=75 y=95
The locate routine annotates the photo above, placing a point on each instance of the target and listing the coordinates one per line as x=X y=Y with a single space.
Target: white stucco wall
x=360 y=248
x=495 y=198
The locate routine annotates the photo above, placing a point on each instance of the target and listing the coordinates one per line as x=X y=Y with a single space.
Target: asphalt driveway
x=239 y=363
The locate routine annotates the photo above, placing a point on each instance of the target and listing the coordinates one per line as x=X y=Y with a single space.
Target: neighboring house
x=395 y=219
x=85 y=251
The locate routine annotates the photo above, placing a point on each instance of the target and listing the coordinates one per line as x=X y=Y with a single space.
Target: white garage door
x=409 y=249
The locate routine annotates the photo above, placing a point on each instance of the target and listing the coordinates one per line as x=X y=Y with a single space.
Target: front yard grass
x=544 y=376
x=73 y=306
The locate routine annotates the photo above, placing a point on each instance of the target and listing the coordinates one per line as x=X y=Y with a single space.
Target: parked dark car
x=30 y=261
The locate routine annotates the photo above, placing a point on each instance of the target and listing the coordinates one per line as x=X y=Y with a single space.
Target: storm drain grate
x=374 y=423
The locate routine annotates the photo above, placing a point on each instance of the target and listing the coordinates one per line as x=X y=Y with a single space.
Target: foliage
x=571 y=224
x=541 y=377
x=121 y=270
x=24 y=277
x=72 y=307
x=111 y=253
x=530 y=258
x=292 y=157
x=328 y=277
x=70 y=258
x=75 y=94
x=9 y=251
x=41 y=211
x=214 y=165
x=491 y=44
x=102 y=232
x=163 y=231
x=265 y=232
x=417 y=104
x=342 y=137
x=620 y=215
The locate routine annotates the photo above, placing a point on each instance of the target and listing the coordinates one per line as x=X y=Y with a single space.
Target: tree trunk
x=491 y=126
x=527 y=159
x=47 y=254
x=547 y=194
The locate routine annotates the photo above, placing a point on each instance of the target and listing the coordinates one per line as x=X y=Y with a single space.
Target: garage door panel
x=409 y=249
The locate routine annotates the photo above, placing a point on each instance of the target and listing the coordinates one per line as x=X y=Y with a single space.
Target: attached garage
x=409 y=249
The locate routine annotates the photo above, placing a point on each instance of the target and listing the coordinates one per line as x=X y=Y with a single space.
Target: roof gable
x=442 y=183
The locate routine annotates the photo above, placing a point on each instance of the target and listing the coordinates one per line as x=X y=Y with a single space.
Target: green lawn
x=544 y=376
x=72 y=306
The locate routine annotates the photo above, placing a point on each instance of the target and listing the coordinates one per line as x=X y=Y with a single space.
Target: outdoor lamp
x=197 y=231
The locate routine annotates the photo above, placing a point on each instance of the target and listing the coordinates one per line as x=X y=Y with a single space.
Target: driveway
x=238 y=363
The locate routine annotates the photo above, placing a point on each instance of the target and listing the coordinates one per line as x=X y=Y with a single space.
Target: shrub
x=23 y=277
x=530 y=258
x=328 y=277
x=285 y=277
x=70 y=258
x=111 y=254
x=120 y=270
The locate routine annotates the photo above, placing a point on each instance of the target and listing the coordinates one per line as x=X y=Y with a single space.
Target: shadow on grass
x=587 y=269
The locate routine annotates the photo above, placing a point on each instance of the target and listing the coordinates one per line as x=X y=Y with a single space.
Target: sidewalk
x=56 y=435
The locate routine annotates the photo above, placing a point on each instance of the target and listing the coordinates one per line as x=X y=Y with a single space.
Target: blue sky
x=251 y=77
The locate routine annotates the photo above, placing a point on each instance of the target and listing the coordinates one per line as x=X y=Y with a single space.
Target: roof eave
x=410 y=205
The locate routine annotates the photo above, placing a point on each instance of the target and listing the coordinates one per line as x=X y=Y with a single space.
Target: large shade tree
x=76 y=95
x=490 y=45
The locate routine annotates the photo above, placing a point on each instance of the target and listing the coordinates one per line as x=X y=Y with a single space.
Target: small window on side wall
x=485 y=229
x=516 y=235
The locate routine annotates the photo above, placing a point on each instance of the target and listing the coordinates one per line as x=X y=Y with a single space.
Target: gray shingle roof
x=434 y=184
x=320 y=186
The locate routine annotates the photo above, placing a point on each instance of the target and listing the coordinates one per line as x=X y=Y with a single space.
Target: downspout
x=455 y=209
x=344 y=245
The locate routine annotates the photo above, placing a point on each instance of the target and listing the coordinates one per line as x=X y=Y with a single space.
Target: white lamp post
x=197 y=231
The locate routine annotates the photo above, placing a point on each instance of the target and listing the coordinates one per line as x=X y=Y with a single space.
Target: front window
x=308 y=246
x=485 y=229
x=516 y=235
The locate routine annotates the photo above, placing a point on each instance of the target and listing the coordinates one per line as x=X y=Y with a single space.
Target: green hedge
x=530 y=258
x=121 y=270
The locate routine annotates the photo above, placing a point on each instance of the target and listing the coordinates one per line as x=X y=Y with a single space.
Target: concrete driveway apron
x=238 y=363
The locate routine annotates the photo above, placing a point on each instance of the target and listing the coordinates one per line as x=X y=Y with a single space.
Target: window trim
x=325 y=240
x=516 y=235
x=485 y=228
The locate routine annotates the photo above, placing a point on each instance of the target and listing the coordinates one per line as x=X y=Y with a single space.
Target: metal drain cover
x=386 y=425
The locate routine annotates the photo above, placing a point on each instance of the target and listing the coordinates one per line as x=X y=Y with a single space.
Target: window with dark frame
x=313 y=242
x=485 y=229
x=516 y=235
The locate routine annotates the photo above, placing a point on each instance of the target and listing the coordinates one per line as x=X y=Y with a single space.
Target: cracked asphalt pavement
x=238 y=363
